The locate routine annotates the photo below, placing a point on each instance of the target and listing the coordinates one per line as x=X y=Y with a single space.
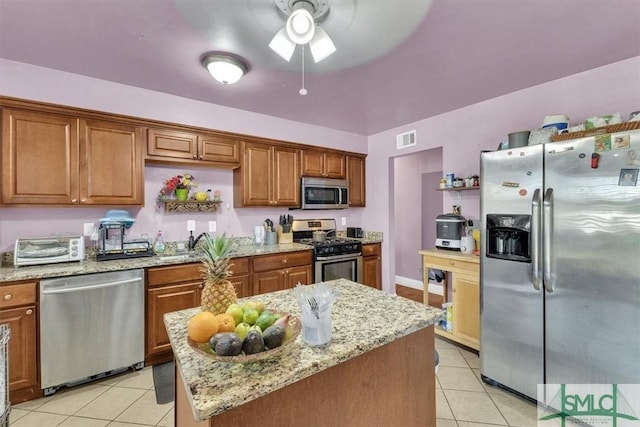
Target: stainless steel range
x=334 y=258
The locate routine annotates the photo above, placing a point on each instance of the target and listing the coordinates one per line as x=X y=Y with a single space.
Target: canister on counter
x=450 y=178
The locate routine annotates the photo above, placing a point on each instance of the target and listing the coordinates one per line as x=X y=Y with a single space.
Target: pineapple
x=218 y=293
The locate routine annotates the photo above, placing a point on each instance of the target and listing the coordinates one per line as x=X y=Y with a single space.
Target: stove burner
x=333 y=247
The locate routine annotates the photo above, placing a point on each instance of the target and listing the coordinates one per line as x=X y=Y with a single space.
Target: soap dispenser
x=158 y=245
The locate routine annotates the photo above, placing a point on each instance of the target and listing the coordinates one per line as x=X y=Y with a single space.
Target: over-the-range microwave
x=324 y=193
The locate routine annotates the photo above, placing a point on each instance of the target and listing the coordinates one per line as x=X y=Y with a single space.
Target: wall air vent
x=406 y=139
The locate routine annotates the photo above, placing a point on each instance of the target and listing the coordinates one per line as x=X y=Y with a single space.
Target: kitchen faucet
x=194 y=241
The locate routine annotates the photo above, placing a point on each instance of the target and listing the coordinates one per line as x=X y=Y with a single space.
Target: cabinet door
x=312 y=163
x=219 y=149
x=39 y=158
x=466 y=307
x=335 y=166
x=23 y=368
x=268 y=281
x=372 y=274
x=356 y=177
x=171 y=144
x=295 y=275
x=286 y=177
x=166 y=299
x=112 y=165
x=252 y=182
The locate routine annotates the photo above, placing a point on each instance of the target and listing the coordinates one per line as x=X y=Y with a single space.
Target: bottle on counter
x=158 y=244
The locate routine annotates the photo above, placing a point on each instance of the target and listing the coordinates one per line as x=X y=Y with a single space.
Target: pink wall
x=29 y=82
x=463 y=133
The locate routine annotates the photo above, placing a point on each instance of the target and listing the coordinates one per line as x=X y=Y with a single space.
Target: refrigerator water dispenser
x=508 y=237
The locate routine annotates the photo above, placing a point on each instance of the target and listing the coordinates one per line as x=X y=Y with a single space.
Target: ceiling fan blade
x=321 y=45
x=282 y=45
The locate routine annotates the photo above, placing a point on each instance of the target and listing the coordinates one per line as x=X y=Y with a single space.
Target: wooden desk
x=463 y=276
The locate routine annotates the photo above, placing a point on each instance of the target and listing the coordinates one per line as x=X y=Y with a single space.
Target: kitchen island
x=378 y=369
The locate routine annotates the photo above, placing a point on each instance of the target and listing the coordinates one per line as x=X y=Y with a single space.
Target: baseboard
x=434 y=288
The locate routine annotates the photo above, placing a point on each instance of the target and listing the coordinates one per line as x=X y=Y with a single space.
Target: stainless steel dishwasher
x=91 y=326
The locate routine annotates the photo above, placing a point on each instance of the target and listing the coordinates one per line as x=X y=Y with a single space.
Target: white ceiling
x=397 y=61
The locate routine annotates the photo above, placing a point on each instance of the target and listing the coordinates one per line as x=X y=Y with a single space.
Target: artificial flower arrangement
x=178 y=182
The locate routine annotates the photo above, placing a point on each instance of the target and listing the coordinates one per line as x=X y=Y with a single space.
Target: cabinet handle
x=74 y=200
x=195 y=156
x=8 y=297
x=200 y=157
x=451 y=262
x=83 y=200
x=284 y=260
x=30 y=311
x=201 y=286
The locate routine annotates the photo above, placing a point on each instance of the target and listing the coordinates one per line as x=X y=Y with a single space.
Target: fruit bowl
x=292 y=330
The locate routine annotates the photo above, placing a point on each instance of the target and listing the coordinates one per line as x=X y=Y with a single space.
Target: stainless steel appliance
x=90 y=326
x=449 y=231
x=560 y=277
x=334 y=258
x=47 y=250
x=356 y=232
x=324 y=193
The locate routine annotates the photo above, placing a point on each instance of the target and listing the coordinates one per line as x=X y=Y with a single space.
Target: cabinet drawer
x=371 y=249
x=453 y=265
x=18 y=294
x=239 y=266
x=174 y=274
x=278 y=261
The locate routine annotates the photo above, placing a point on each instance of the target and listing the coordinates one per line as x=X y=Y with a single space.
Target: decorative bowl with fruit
x=243 y=334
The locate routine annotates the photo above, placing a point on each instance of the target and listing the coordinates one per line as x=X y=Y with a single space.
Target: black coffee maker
x=508 y=237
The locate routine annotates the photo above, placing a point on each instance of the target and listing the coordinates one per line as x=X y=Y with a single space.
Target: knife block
x=284 y=237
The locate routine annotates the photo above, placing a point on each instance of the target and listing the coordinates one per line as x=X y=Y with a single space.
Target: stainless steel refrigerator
x=560 y=263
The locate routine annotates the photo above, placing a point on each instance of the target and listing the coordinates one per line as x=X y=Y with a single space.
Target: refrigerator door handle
x=536 y=267
x=549 y=282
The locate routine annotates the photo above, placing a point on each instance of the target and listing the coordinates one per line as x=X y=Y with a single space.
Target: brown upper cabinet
x=269 y=175
x=356 y=177
x=323 y=164
x=170 y=145
x=50 y=158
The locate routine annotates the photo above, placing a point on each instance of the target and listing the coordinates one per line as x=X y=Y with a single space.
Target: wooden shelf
x=475 y=187
x=171 y=206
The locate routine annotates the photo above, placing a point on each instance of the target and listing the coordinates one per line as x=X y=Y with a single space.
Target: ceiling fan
x=301 y=28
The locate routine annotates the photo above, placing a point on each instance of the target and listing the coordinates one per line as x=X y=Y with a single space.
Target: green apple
x=236 y=311
x=242 y=329
x=250 y=316
x=256 y=305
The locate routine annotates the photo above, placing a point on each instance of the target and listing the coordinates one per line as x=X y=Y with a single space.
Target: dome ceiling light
x=224 y=67
x=301 y=29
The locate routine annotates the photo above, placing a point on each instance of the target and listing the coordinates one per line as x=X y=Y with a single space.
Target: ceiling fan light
x=300 y=25
x=282 y=45
x=224 y=68
x=321 y=45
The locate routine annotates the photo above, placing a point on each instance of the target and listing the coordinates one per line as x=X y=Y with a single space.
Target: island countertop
x=363 y=319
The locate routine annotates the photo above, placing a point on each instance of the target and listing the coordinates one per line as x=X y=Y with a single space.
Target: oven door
x=338 y=267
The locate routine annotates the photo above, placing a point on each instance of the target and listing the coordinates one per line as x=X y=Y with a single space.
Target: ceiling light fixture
x=224 y=67
x=301 y=29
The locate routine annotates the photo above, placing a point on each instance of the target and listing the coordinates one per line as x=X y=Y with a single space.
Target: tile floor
x=462 y=400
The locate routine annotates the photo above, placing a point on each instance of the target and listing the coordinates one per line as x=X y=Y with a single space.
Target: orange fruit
x=226 y=322
x=202 y=326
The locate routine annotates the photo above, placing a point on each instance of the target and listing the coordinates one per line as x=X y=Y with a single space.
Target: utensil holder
x=284 y=237
x=270 y=238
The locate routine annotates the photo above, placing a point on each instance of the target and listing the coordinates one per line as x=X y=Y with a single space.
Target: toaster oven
x=48 y=250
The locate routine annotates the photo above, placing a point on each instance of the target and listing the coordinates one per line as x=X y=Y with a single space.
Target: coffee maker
x=508 y=237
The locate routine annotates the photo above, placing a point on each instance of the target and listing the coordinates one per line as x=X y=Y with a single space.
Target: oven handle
x=338 y=257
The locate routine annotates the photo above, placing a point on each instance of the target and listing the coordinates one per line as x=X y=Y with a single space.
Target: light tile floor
x=462 y=400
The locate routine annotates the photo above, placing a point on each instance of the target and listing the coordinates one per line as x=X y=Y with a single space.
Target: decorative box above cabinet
x=180 y=146
x=50 y=158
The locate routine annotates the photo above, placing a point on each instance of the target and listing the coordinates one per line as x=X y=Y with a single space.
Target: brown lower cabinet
x=372 y=265
x=18 y=309
x=178 y=287
x=281 y=271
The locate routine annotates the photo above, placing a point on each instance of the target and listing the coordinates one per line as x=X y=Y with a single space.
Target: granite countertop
x=90 y=265
x=363 y=319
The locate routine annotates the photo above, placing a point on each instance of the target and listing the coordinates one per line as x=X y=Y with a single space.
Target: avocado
x=253 y=342
x=227 y=344
x=273 y=336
